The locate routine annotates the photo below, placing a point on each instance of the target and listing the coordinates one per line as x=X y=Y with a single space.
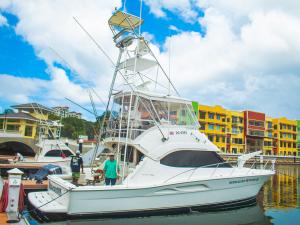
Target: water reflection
x=278 y=203
x=282 y=191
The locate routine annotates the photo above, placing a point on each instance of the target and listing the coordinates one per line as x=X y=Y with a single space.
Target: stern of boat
x=54 y=201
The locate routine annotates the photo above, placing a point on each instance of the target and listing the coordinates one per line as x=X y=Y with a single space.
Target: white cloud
x=182 y=7
x=3 y=20
x=19 y=89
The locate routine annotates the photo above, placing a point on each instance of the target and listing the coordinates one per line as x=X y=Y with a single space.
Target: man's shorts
x=76 y=175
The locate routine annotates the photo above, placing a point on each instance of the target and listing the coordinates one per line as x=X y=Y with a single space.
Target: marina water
x=278 y=203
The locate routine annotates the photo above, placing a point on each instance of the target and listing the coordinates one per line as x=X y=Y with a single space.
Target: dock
x=3 y=218
x=6 y=217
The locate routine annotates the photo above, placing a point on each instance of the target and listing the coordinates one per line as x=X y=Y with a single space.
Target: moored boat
x=167 y=163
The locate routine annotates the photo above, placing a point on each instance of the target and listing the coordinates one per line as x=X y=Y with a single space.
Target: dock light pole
x=80 y=145
x=14 y=182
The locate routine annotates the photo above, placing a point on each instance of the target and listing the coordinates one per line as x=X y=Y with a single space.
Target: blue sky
x=17 y=55
x=223 y=52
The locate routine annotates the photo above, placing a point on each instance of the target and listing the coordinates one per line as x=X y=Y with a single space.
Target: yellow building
x=285 y=136
x=223 y=127
x=235 y=130
x=31 y=121
x=268 y=148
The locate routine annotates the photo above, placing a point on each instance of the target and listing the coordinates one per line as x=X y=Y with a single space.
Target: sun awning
x=124 y=20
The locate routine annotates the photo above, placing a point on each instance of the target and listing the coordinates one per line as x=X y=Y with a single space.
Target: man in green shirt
x=111 y=170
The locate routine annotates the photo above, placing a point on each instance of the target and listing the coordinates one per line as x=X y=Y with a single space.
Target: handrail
x=213 y=172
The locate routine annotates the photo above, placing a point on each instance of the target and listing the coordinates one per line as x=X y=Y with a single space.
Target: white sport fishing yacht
x=167 y=164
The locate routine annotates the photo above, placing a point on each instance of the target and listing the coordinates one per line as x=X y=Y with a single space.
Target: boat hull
x=208 y=194
x=50 y=217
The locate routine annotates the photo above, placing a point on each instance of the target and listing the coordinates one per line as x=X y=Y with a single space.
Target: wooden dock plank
x=3 y=218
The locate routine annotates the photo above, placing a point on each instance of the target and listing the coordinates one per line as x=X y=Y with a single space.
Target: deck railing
x=271 y=164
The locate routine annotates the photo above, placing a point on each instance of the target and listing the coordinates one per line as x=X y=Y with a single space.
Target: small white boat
x=51 y=151
x=167 y=164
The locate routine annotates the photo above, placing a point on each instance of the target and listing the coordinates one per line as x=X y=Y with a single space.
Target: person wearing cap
x=76 y=164
x=111 y=170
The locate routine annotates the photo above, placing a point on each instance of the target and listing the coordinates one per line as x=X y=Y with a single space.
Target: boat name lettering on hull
x=182 y=132
x=55 y=189
x=243 y=181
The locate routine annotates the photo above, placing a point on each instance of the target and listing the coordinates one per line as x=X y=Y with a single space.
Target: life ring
x=98 y=175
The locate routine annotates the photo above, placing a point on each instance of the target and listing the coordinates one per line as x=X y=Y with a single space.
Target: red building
x=254 y=124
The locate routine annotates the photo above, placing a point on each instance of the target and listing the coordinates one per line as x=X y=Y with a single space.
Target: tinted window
x=57 y=153
x=190 y=158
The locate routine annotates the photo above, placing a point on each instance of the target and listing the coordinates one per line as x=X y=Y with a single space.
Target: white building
x=63 y=112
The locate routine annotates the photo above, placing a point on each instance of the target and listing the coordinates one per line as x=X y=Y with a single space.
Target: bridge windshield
x=134 y=114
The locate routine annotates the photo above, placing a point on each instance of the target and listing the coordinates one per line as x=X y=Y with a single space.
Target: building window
x=289 y=135
x=202 y=126
x=211 y=138
x=234 y=150
x=218 y=127
x=256 y=133
x=256 y=123
x=235 y=130
x=218 y=116
x=234 y=119
x=28 y=131
x=211 y=115
x=11 y=127
x=217 y=139
x=269 y=125
x=241 y=130
x=269 y=134
x=202 y=114
x=294 y=128
x=210 y=126
x=223 y=139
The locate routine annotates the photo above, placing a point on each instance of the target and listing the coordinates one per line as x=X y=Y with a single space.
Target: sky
x=237 y=54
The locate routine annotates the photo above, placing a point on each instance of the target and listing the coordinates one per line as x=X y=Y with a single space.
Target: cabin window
x=58 y=153
x=191 y=158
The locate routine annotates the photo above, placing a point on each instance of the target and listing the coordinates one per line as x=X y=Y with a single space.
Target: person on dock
x=111 y=170
x=18 y=157
x=76 y=164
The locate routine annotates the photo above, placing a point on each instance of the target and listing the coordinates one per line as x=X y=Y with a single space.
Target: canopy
x=124 y=20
